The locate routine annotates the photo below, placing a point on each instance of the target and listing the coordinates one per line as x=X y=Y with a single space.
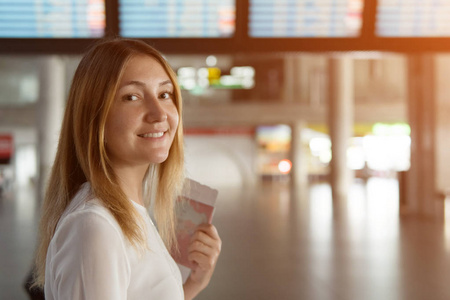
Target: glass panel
x=381 y=79
x=19 y=80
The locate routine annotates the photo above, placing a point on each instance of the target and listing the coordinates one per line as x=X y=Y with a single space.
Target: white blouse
x=90 y=258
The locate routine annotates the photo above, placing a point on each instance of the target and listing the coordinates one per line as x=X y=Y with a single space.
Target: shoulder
x=88 y=253
x=87 y=226
x=90 y=222
x=87 y=215
x=88 y=238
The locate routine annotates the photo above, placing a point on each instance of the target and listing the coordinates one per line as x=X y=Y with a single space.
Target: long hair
x=81 y=154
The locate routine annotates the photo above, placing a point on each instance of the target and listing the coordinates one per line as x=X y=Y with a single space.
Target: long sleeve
x=87 y=260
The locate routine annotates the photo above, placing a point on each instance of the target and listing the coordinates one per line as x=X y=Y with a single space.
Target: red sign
x=220 y=131
x=6 y=147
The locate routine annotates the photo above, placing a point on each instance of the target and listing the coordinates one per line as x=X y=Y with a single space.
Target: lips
x=152 y=134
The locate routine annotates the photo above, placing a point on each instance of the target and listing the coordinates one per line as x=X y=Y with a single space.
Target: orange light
x=285 y=166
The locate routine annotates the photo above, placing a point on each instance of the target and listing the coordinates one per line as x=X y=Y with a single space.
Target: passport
x=194 y=206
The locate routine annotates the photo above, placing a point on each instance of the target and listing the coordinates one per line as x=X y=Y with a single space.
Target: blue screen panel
x=413 y=18
x=177 y=18
x=52 y=18
x=305 y=18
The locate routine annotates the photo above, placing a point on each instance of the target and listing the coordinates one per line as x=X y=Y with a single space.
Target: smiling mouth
x=152 y=135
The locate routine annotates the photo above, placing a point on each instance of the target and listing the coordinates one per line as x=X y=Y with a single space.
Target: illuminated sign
x=177 y=18
x=197 y=80
x=52 y=18
x=413 y=18
x=301 y=18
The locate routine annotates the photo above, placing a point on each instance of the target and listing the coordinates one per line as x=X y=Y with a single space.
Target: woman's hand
x=204 y=250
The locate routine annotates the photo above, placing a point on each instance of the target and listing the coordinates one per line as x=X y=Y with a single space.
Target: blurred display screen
x=52 y=18
x=305 y=18
x=413 y=18
x=177 y=18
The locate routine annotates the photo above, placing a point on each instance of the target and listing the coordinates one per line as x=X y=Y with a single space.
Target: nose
x=155 y=111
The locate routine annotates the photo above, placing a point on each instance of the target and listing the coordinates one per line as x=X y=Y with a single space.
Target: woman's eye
x=131 y=97
x=166 y=95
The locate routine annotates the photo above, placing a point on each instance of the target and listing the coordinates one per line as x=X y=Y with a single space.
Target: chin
x=159 y=159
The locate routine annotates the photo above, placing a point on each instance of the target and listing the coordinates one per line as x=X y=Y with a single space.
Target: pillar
x=340 y=122
x=299 y=158
x=419 y=183
x=50 y=112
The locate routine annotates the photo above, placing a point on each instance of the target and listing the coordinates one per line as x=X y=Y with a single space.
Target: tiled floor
x=18 y=227
x=283 y=244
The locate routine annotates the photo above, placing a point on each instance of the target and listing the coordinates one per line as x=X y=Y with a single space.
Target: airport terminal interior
x=328 y=147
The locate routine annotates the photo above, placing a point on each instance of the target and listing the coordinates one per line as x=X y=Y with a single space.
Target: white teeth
x=153 y=135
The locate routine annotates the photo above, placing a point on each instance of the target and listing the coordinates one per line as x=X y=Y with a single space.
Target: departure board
x=52 y=18
x=305 y=18
x=177 y=18
x=413 y=18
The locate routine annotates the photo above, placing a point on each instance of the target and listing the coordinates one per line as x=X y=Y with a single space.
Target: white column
x=50 y=114
x=419 y=190
x=340 y=122
x=299 y=174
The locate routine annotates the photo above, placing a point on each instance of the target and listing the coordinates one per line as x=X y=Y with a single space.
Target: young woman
x=121 y=144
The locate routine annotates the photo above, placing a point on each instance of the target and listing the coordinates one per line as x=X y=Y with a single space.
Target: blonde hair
x=82 y=156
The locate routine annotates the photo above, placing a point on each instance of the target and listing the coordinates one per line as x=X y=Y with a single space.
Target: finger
x=203 y=237
x=205 y=262
x=210 y=230
x=204 y=243
x=208 y=234
x=198 y=246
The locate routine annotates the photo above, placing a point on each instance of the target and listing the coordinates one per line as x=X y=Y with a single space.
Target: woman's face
x=143 y=118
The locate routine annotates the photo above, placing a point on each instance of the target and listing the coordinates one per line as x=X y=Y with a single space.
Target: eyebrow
x=140 y=83
x=168 y=81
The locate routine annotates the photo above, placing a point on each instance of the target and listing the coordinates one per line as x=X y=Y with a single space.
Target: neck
x=130 y=181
